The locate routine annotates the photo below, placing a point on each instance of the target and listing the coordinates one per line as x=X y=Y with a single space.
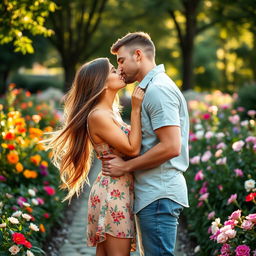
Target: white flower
x=33 y=227
x=26 y=204
x=249 y=185
x=14 y=250
x=245 y=123
x=215 y=225
x=221 y=161
x=206 y=156
x=3 y=225
x=32 y=192
x=198 y=127
x=8 y=195
x=34 y=201
x=197 y=249
x=13 y=220
x=220 y=135
x=17 y=214
x=26 y=217
x=199 y=134
x=29 y=253
x=1 y=204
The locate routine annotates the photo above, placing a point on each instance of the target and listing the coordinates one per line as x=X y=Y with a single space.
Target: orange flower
x=35 y=132
x=40 y=146
x=44 y=163
x=30 y=103
x=23 y=105
x=42 y=228
x=28 y=94
x=12 y=85
x=36 y=159
x=29 y=209
x=30 y=174
x=9 y=136
x=48 y=129
x=19 y=167
x=13 y=157
x=1 y=107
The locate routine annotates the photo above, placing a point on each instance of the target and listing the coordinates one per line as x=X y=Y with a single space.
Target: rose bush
x=221 y=176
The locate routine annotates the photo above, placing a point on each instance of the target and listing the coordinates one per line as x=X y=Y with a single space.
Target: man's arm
x=169 y=146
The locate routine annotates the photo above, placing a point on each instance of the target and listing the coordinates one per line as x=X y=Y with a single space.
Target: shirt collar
x=149 y=76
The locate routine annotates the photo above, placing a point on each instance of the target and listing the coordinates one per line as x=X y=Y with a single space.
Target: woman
x=91 y=122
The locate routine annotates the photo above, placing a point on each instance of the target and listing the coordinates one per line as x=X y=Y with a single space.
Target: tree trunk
x=3 y=81
x=69 y=75
x=253 y=56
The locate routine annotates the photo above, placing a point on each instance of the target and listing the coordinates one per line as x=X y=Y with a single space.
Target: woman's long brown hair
x=71 y=146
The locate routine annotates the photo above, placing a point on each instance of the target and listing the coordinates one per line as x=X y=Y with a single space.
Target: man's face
x=127 y=64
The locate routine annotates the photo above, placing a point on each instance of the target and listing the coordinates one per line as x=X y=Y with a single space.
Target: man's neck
x=145 y=69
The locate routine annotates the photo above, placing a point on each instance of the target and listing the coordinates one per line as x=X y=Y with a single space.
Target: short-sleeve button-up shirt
x=163 y=105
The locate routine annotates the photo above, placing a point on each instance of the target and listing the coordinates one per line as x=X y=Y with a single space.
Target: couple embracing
x=142 y=163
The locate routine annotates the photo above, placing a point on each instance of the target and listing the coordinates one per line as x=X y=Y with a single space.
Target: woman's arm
x=103 y=127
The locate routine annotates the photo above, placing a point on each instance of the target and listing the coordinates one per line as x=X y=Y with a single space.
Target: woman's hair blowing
x=71 y=146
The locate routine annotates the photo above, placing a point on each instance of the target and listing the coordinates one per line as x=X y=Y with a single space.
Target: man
x=160 y=187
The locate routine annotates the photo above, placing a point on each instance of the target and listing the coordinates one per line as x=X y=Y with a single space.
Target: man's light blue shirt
x=163 y=105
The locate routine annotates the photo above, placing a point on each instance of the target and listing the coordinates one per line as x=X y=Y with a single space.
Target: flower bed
x=29 y=199
x=221 y=178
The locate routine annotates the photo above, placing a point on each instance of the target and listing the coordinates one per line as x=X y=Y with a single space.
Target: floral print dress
x=110 y=204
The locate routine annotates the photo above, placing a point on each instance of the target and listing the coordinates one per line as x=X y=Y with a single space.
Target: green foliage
x=247 y=97
x=17 y=18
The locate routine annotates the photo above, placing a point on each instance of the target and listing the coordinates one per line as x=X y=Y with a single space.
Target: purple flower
x=43 y=170
x=243 y=250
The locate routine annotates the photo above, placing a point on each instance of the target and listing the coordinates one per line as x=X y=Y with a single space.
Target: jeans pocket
x=176 y=209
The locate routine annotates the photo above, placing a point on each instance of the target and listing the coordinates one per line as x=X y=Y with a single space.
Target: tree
x=75 y=24
x=20 y=19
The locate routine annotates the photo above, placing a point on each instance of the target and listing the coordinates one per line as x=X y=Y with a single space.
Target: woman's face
x=114 y=81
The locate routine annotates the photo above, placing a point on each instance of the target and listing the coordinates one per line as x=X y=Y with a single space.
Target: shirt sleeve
x=163 y=107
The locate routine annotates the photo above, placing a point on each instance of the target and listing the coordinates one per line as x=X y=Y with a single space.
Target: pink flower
x=49 y=190
x=203 y=197
x=232 y=198
x=235 y=215
x=208 y=135
x=220 y=187
x=251 y=217
x=40 y=200
x=206 y=116
x=247 y=225
x=251 y=139
x=206 y=156
x=225 y=250
x=221 y=161
x=243 y=250
x=231 y=223
x=234 y=119
x=199 y=176
x=221 y=145
x=218 y=153
x=222 y=238
x=211 y=215
x=195 y=160
x=21 y=200
x=239 y=173
x=251 y=112
x=237 y=146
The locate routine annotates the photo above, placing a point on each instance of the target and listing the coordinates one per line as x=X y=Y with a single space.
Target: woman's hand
x=137 y=98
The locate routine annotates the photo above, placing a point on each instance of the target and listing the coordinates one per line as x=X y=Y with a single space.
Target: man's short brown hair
x=137 y=39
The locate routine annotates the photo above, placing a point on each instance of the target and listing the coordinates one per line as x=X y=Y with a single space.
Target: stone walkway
x=75 y=244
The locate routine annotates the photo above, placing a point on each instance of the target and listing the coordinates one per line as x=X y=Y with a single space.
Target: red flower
x=94 y=200
x=18 y=238
x=115 y=193
x=9 y=136
x=206 y=116
x=27 y=244
x=49 y=190
x=250 y=197
x=11 y=147
x=46 y=215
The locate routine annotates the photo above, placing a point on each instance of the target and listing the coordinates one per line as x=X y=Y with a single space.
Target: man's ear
x=138 y=54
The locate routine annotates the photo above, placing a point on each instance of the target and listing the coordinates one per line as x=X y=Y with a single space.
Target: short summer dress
x=110 y=204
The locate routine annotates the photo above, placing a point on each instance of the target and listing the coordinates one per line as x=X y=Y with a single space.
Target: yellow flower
x=13 y=157
x=44 y=163
x=19 y=167
x=30 y=174
x=36 y=159
x=4 y=145
x=40 y=146
x=35 y=133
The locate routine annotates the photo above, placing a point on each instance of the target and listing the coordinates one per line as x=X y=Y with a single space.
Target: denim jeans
x=158 y=224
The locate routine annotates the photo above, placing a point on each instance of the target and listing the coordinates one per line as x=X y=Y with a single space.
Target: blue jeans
x=158 y=224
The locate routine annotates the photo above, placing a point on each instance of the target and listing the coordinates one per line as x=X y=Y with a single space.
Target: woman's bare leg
x=117 y=246
x=100 y=250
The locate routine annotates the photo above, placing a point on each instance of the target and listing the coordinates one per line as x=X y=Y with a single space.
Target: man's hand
x=113 y=165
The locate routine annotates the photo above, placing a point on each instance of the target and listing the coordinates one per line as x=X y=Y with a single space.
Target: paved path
x=75 y=244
